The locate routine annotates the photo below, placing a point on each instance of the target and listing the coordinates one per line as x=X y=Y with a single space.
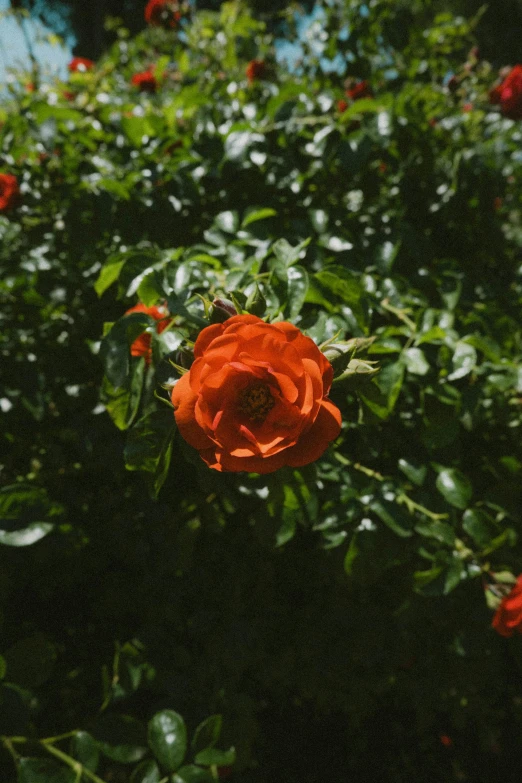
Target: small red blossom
x=341 y=105
x=9 y=192
x=432 y=122
x=508 y=94
x=142 y=345
x=163 y=13
x=497 y=203
x=508 y=617
x=467 y=107
x=29 y=87
x=359 y=90
x=68 y=95
x=446 y=741
x=80 y=65
x=145 y=81
x=383 y=167
x=256 y=69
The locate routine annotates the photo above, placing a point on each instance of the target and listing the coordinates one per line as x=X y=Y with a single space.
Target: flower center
x=256 y=401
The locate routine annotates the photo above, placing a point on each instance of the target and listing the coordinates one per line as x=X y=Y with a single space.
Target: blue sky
x=53 y=58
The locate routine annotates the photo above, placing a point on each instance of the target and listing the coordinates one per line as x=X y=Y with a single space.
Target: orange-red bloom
x=256 y=69
x=255 y=398
x=508 y=617
x=508 y=94
x=145 y=81
x=80 y=65
x=9 y=191
x=142 y=345
x=341 y=105
x=359 y=90
x=163 y=13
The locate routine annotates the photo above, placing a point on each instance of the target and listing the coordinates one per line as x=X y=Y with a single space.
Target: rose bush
x=256 y=397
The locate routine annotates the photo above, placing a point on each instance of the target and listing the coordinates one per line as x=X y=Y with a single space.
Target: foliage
x=337 y=607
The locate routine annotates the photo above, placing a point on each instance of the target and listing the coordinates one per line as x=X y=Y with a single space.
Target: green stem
x=78 y=768
x=412 y=505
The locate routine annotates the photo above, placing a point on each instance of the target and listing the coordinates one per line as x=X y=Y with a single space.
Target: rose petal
x=184 y=401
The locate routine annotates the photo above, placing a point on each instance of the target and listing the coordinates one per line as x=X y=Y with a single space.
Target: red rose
x=508 y=94
x=80 y=65
x=9 y=191
x=256 y=69
x=341 y=105
x=508 y=617
x=145 y=81
x=163 y=13
x=142 y=345
x=255 y=398
x=359 y=90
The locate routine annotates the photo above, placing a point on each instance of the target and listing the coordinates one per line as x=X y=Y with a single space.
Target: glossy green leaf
x=455 y=487
x=192 y=774
x=207 y=733
x=213 y=756
x=120 y=738
x=146 y=772
x=167 y=735
x=35 y=770
x=85 y=748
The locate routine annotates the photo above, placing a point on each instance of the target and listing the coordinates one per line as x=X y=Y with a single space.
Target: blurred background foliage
x=497 y=33
x=331 y=620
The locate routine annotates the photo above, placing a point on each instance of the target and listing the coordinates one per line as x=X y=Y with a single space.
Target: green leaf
x=454 y=487
x=207 y=733
x=286 y=254
x=30 y=661
x=297 y=290
x=115 y=346
x=440 y=531
x=44 y=771
x=227 y=221
x=393 y=517
x=415 y=473
x=167 y=735
x=25 y=536
x=120 y=738
x=476 y=524
x=109 y=273
x=252 y=216
x=3 y=667
x=213 y=756
x=464 y=361
x=192 y=774
x=381 y=395
x=146 y=772
x=351 y=555
x=416 y=361
x=85 y=748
